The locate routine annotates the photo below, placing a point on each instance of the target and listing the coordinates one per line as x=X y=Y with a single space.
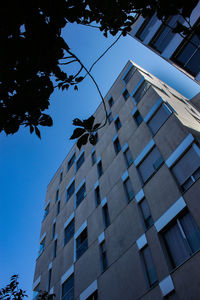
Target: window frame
x=85 y=243
x=117 y=145
x=82 y=194
x=69 y=230
x=71 y=161
x=80 y=160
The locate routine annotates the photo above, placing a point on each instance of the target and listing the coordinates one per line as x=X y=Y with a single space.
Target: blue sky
x=27 y=164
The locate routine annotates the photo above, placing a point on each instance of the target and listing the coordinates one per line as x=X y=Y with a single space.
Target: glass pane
x=80 y=162
x=68 y=289
x=146 y=28
x=69 y=232
x=129 y=74
x=151 y=273
x=158 y=119
x=80 y=195
x=128 y=157
x=191 y=231
x=141 y=91
x=129 y=189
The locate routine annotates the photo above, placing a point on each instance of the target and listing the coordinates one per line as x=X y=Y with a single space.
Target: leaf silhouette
x=88 y=123
x=77 y=133
x=96 y=126
x=82 y=140
x=77 y=122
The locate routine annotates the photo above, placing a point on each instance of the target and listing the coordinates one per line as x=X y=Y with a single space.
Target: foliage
x=12 y=291
x=33 y=54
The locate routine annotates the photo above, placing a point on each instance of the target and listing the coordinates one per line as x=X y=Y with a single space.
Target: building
x=182 y=53
x=121 y=219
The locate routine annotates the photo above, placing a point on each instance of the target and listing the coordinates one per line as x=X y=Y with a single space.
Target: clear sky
x=27 y=164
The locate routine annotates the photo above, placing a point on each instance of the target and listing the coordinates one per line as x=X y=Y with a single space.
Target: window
x=80 y=195
x=137 y=118
x=110 y=101
x=49 y=280
x=42 y=246
x=128 y=157
x=93 y=156
x=103 y=256
x=118 y=124
x=145 y=213
x=150 y=164
x=125 y=94
x=53 y=230
x=181 y=239
x=71 y=161
x=46 y=211
x=164 y=35
x=106 y=218
x=94 y=296
x=54 y=249
x=109 y=117
x=117 y=145
x=81 y=243
x=61 y=176
x=70 y=190
x=97 y=196
x=187 y=55
x=146 y=28
x=58 y=208
x=68 y=288
x=57 y=195
x=69 y=232
x=141 y=91
x=187 y=169
x=148 y=266
x=80 y=161
x=159 y=118
x=128 y=189
x=129 y=74
x=99 y=169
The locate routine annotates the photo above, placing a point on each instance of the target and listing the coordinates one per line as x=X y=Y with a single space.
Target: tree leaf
x=96 y=126
x=77 y=133
x=37 y=131
x=93 y=138
x=77 y=122
x=31 y=128
x=75 y=88
x=82 y=140
x=79 y=79
x=88 y=123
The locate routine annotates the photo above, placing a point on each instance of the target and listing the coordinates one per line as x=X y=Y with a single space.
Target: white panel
x=36 y=282
x=137 y=26
x=55 y=237
x=141 y=242
x=152 y=110
x=115 y=118
x=89 y=291
x=179 y=150
x=68 y=273
x=124 y=176
x=170 y=214
x=78 y=232
x=104 y=201
x=96 y=184
x=73 y=179
x=101 y=237
x=152 y=31
x=125 y=147
x=51 y=291
x=144 y=152
x=50 y=265
x=93 y=150
x=134 y=111
x=166 y=286
x=115 y=137
x=139 y=196
x=42 y=237
x=54 y=220
x=69 y=220
x=98 y=160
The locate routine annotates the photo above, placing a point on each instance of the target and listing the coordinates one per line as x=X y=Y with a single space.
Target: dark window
x=128 y=157
x=94 y=296
x=99 y=169
x=129 y=74
x=49 y=280
x=149 y=266
x=125 y=94
x=70 y=190
x=61 y=176
x=71 y=161
x=146 y=28
x=118 y=124
x=109 y=117
x=80 y=161
x=110 y=101
x=54 y=249
x=150 y=164
x=159 y=118
x=187 y=169
x=53 y=230
x=93 y=156
x=164 y=35
x=42 y=246
x=58 y=208
x=187 y=55
x=128 y=189
x=145 y=212
x=80 y=195
x=97 y=196
x=181 y=239
x=106 y=218
x=103 y=256
x=117 y=145
x=57 y=195
x=137 y=118
x=68 y=288
x=46 y=211
x=141 y=91
x=81 y=243
x=68 y=232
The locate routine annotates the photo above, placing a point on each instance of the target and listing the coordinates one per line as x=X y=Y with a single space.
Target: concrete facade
x=115 y=250
x=172 y=47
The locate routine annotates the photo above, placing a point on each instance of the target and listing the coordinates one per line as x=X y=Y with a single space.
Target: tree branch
x=67 y=63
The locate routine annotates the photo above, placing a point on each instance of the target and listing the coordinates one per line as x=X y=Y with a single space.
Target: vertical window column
x=105 y=213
